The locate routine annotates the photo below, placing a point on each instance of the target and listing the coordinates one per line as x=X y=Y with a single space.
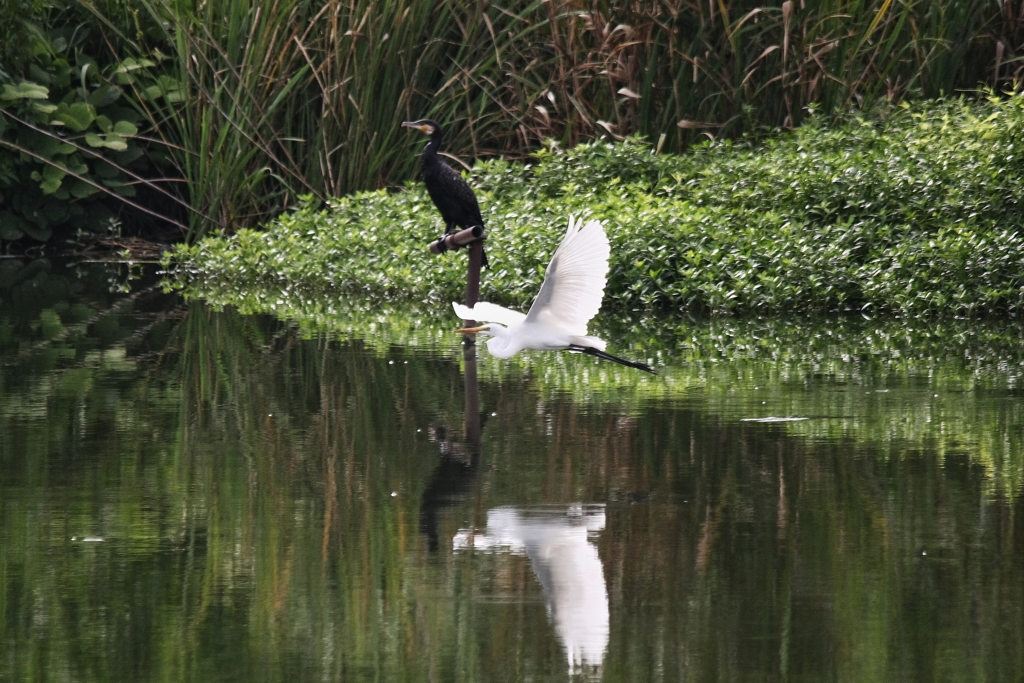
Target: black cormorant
x=450 y=193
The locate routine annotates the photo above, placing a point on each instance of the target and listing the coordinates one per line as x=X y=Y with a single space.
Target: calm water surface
x=188 y=494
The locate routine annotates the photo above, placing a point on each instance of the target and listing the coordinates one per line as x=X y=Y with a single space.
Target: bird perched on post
x=450 y=193
x=569 y=297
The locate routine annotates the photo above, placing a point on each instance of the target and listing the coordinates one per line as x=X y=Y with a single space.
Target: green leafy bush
x=67 y=138
x=918 y=211
x=17 y=32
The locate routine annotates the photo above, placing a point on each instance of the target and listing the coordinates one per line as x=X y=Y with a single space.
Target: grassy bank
x=917 y=211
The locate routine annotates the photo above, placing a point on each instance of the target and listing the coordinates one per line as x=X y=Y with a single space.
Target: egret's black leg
x=615 y=359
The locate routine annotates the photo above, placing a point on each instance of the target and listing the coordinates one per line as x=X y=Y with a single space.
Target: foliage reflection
x=276 y=508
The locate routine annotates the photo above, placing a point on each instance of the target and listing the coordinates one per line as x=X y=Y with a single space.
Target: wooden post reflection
x=472 y=413
x=472 y=416
x=455 y=475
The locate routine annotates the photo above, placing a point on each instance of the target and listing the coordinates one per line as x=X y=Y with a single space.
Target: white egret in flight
x=570 y=296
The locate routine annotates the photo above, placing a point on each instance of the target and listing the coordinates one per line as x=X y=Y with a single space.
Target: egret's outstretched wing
x=487 y=312
x=575 y=279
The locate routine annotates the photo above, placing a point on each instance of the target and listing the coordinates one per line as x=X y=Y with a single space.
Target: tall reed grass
x=269 y=101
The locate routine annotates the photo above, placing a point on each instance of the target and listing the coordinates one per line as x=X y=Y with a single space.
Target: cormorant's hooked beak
x=422 y=127
x=473 y=330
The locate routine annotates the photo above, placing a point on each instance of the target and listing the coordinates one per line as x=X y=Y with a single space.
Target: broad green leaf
x=125 y=129
x=39 y=75
x=106 y=170
x=50 y=185
x=43 y=144
x=77 y=116
x=11 y=227
x=115 y=142
x=41 y=233
x=104 y=95
x=132 y=64
x=131 y=154
x=51 y=172
x=81 y=189
x=25 y=90
x=77 y=166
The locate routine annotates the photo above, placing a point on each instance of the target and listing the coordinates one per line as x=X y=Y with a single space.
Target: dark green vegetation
x=47 y=309
x=218 y=114
x=918 y=211
x=68 y=131
x=241 y=479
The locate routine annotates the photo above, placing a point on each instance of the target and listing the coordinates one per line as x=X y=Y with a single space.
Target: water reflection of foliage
x=783 y=545
x=75 y=447
x=948 y=377
x=243 y=484
x=313 y=433
x=320 y=521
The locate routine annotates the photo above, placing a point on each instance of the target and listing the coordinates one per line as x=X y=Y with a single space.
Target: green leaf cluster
x=917 y=211
x=68 y=136
x=17 y=31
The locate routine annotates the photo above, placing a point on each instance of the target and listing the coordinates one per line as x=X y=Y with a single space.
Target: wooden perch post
x=458 y=239
x=476 y=258
x=474 y=237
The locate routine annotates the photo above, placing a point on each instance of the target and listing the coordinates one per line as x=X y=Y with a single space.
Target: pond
x=340 y=491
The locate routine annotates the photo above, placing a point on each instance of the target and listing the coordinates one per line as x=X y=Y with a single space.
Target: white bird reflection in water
x=558 y=543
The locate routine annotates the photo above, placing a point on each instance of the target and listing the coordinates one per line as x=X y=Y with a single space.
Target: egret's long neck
x=500 y=343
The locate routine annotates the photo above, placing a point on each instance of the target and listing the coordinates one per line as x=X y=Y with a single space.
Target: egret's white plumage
x=569 y=297
x=564 y=557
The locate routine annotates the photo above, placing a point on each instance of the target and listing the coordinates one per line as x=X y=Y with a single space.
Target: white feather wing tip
x=464 y=312
x=484 y=311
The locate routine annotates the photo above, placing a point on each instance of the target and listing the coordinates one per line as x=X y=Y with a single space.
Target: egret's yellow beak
x=471 y=330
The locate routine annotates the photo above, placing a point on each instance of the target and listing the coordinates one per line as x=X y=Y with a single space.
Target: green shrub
x=18 y=31
x=68 y=138
x=918 y=211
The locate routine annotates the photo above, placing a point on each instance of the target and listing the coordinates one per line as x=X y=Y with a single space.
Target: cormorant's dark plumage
x=450 y=193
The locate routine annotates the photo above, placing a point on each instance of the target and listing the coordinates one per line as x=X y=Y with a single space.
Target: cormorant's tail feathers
x=615 y=359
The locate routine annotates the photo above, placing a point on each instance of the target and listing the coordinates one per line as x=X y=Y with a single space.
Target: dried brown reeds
x=301 y=97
